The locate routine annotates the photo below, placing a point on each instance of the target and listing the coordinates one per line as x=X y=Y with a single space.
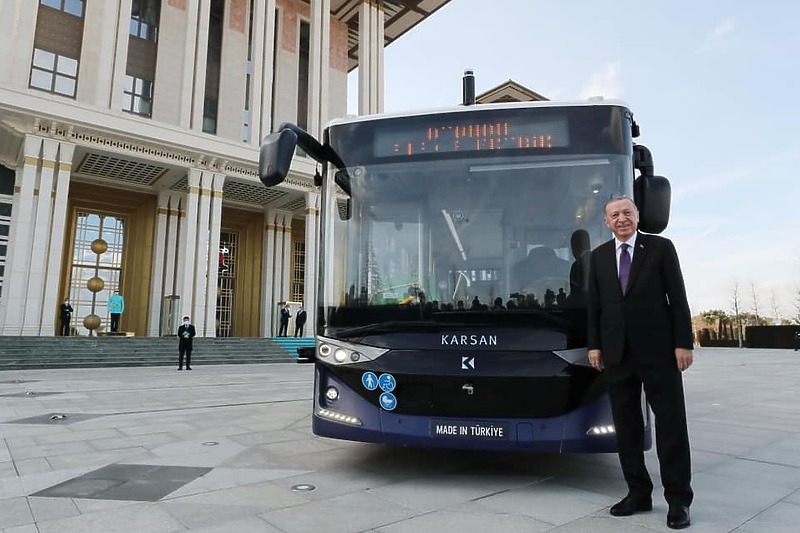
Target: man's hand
x=684 y=358
x=596 y=360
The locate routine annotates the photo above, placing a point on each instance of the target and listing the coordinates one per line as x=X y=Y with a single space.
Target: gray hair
x=616 y=198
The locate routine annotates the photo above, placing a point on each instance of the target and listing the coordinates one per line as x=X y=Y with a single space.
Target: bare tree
x=737 y=308
x=776 y=311
x=797 y=306
x=754 y=294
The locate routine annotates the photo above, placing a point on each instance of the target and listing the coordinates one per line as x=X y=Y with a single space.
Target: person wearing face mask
x=186 y=333
x=65 y=314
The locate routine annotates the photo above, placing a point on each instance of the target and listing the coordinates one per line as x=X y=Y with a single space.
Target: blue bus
x=453 y=256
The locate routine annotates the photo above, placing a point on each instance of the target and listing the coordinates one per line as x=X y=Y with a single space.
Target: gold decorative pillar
x=95 y=284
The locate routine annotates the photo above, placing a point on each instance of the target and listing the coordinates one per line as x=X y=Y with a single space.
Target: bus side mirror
x=275 y=158
x=652 y=195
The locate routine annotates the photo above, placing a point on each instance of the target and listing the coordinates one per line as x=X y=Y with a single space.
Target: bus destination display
x=516 y=133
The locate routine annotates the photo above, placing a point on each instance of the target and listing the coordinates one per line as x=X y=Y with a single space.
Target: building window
x=54 y=73
x=71 y=7
x=304 y=52
x=213 y=65
x=141 y=29
x=247 y=96
x=210 y=115
x=298 y=270
x=138 y=97
x=57 y=47
x=86 y=264
x=226 y=282
x=140 y=69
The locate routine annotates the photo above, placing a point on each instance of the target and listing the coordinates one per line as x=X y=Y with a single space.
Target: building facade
x=129 y=135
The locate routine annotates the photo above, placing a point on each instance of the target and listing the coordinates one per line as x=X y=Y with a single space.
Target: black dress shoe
x=678 y=517
x=630 y=505
x=188 y=368
x=179 y=368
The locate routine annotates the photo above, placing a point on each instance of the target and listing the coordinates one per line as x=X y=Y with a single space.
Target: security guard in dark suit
x=186 y=333
x=640 y=335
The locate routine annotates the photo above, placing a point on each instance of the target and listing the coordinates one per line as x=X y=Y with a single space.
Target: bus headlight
x=332 y=394
x=341 y=352
x=342 y=418
x=597 y=431
x=325 y=350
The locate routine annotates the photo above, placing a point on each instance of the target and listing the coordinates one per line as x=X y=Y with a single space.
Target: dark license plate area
x=469 y=430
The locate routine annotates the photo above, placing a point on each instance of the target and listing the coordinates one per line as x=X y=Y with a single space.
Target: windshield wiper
x=397 y=327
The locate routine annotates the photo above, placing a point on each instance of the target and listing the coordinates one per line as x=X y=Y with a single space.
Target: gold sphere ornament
x=99 y=246
x=91 y=322
x=95 y=284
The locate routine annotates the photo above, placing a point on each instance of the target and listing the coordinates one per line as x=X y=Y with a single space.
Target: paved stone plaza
x=229 y=449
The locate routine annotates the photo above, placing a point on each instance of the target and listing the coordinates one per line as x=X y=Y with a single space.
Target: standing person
x=300 y=322
x=65 y=315
x=116 y=306
x=186 y=333
x=640 y=334
x=286 y=314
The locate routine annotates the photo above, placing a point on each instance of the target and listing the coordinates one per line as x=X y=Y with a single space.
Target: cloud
x=604 y=83
x=716 y=39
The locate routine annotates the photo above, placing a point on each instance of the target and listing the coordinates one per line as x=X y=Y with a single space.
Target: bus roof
x=476 y=108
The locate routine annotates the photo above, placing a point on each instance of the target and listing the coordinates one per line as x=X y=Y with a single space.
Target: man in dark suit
x=640 y=335
x=186 y=333
x=300 y=322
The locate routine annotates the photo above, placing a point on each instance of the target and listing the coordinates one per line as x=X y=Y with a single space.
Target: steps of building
x=18 y=353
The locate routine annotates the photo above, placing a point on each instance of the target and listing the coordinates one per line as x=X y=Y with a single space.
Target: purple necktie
x=624 y=267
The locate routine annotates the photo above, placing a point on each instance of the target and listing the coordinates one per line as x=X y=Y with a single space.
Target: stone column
x=18 y=257
x=277 y=282
x=120 y=59
x=370 y=57
x=17 y=30
x=199 y=86
x=311 y=270
x=203 y=252
x=319 y=65
x=58 y=234
x=110 y=22
x=263 y=67
x=165 y=253
x=188 y=238
x=268 y=276
x=286 y=282
x=191 y=50
x=40 y=241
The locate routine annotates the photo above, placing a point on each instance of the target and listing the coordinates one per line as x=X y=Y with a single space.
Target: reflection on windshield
x=494 y=234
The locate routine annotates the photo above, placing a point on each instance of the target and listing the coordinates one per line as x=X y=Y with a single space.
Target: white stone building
x=129 y=133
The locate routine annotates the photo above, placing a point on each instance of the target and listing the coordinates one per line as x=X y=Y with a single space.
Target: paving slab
x=230 y=448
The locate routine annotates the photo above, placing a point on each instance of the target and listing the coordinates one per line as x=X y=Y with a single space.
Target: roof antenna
x=469 y=87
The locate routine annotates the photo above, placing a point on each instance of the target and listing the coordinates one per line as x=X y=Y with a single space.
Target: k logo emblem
x=467 y=363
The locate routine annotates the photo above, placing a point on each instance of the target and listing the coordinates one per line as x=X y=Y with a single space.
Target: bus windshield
x=450 y=235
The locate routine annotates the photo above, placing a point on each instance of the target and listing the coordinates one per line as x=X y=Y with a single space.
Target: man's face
x=622 y=218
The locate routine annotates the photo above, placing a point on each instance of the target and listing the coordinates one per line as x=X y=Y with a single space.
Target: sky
x=714 y=85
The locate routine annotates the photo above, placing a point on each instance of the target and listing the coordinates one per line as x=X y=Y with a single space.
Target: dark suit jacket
x=653 y=316
x=183 y=339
